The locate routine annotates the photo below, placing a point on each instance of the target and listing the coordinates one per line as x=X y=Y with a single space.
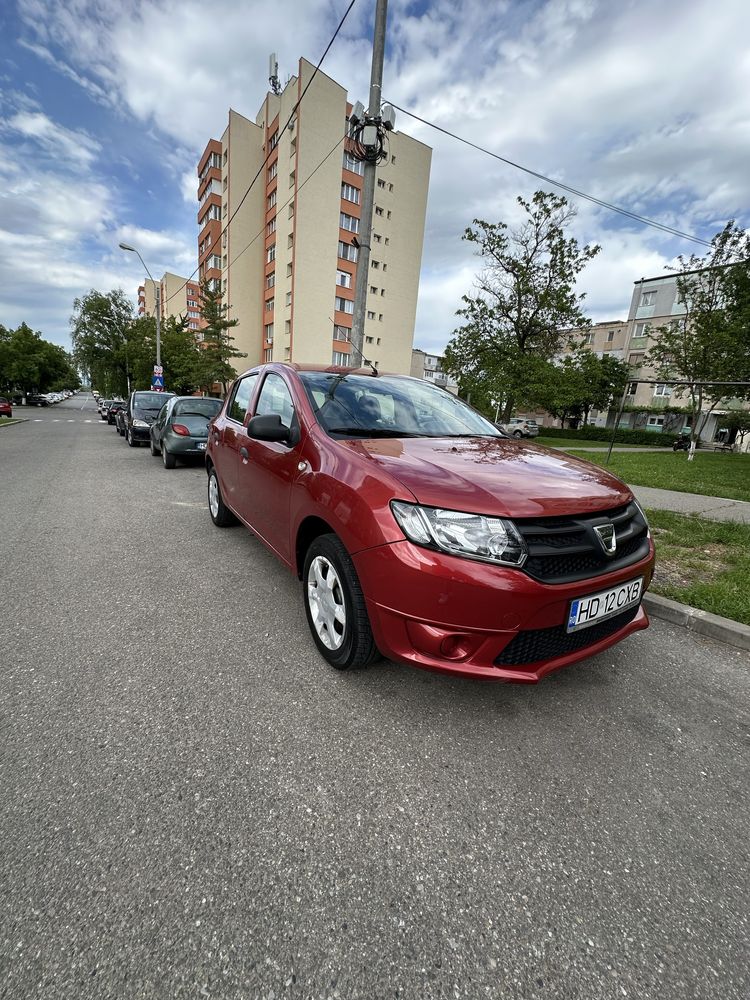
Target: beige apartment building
x=179 y=298
x=430 y=368
x=284 y=252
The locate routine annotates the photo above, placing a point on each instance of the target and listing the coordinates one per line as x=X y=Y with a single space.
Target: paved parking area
x=195 y=805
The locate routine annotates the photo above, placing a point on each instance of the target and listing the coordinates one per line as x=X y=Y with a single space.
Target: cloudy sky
x=105 y=106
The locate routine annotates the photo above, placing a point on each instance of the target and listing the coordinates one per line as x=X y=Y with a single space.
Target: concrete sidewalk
x=713 y=508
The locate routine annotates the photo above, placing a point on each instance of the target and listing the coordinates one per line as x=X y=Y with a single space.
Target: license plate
x=587 y=611
x=201 y=446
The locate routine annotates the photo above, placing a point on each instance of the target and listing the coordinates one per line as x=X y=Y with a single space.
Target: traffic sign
x=158 y=369
x=157 y=382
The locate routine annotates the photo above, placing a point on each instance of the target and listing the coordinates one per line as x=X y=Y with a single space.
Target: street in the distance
x=195 y=805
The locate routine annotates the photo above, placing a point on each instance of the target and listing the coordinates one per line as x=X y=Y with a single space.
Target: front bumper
x=140 y=433
x=458 y=616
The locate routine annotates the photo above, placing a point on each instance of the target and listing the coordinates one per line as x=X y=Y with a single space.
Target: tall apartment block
x=179 y=298
x=287 y=263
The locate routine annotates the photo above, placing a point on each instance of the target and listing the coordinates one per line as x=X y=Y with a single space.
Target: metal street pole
x=368 y=185
x=157 y=294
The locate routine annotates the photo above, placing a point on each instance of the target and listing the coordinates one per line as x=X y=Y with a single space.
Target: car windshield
x=390 y=406
x=150 y=402
x=197 y=407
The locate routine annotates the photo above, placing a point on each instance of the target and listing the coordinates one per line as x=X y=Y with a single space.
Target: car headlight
x=473 y=536
x=140 y=423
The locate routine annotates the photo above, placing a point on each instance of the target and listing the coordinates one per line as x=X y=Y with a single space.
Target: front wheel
x=335 y=606
x=131 y=440
x=168 y=458
x=517 y=434
x=221 y=515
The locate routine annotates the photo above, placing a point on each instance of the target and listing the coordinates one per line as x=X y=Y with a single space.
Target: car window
x=202 y=407
x=241 y=397
x=275 y=398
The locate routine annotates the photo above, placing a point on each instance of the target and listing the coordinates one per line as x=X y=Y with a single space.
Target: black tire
x=168 y=458
x=517 y=434
x=130 y=439
x=221 y=515
x=353 y=645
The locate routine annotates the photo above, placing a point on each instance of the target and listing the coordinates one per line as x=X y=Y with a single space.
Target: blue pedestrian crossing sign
x=157 y=382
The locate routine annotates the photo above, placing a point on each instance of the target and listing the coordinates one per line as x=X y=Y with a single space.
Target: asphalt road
x=192 y=804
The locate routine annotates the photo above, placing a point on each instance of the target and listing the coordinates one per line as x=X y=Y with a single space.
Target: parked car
x=6 y=407
x=36 y=399
x=104 y=405
x=140 y=412
x=114 y=406
x=120 y=420
x=518 y=427
x=419 y=533
x=181 y=429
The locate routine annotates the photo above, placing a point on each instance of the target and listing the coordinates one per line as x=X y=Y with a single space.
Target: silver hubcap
x=325 y=597
x=213 y=496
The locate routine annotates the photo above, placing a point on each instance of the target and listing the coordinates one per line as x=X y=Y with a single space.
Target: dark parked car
x=419 y=532
x=104 y=405
x=140 y=412
x=37 y=399
x=6 y=407
x=181 y=429
x=114 y=406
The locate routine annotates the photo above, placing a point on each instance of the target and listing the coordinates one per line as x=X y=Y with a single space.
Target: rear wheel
x=154 y=450
x=221 y=515
x=335 y=606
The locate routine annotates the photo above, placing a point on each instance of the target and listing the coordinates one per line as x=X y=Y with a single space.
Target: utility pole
x=370 y=136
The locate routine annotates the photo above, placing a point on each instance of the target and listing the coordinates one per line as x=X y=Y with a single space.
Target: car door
x=157 y=428
x=228 y=436
x=267 y=470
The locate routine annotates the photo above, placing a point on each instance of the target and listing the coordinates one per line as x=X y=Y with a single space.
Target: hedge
x=605 y=434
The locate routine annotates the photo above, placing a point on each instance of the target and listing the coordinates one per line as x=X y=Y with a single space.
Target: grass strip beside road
x=554 y=442
x=7 y=421
x=703 y=563
x=711 y=474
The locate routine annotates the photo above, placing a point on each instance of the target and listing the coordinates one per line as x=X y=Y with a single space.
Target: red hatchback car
x=6 y=407
x=420 y=532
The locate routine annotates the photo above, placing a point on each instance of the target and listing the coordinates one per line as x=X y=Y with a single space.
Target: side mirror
x=267 y=427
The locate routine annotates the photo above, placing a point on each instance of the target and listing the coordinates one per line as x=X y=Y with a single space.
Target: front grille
x=549 y=643
x=565 y=550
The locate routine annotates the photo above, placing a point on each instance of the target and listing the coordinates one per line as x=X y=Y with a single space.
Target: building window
x=381 y=182
x=271 y=253
x=350 y=193
x=610 y=336
x=368 y=340
x=348 y=252
x=344 y=305
x=271 y=279
x=288 y=327
x=632 y=388
x=387 y=241
x=655 y=422
x=270 y=304
x=214 y=261
x=274 y=140
x=273 y=170
x=354 y=165
x=380 y=320
x=348 y=222
x=291 y=211
x=271 y=227
x=290 y=240
x=636 y=360
x=341 y=332
x=291 y=179
x=375 y=264
x=288 y=298
x=268 y=332
x=648 y=298
x=271 y=199
x=344 y=279
x=370 y=315
x=662 y=390
x=388 y=214
x=340 y=358
x=373 y=290
x=378 y=210
x=378 y=339
x=641 y=329
x=385 y=267
x=267 y=355
x=376 y=237
x=289 y=270
x=390 y=187
x=382 y=292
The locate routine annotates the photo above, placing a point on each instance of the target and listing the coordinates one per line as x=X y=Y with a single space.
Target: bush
x=605 y=434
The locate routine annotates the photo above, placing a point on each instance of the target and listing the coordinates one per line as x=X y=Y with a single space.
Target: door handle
x=244 y=453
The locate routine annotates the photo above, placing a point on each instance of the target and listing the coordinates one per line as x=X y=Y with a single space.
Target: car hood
x=494 y=476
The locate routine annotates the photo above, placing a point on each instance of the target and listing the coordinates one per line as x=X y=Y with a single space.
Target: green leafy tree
x=29 y=363
x=525 y=298
x=218 y=348
x=104 y=344
x=710 y=342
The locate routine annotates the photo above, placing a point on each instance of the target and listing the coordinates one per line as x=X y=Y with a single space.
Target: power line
x=270 y=151
x=559 y=184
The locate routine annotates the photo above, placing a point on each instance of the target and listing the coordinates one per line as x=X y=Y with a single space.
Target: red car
x=419 y=532
x=6 y=409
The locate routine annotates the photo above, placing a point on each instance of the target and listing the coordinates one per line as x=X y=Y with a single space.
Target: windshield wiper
x=373 y=432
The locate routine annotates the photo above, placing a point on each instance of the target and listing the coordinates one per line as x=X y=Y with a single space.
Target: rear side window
x=240 y=401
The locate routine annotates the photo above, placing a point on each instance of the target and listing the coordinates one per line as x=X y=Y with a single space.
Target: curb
x=701 y=622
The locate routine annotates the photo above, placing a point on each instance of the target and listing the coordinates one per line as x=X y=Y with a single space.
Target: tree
x=29 y=363
x=710 y=341
x=218 y=347
x=104 y=343
x=525 y=299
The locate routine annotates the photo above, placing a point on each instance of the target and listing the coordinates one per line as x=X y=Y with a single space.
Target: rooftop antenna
x=273 y=74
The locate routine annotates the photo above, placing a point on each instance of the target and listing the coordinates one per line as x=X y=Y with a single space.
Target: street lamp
x=127 y=246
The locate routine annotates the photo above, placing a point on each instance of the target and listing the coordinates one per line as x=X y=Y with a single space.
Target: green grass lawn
x=705 y=564
x=711 y=473
x=7 y=421
x=554 y=442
